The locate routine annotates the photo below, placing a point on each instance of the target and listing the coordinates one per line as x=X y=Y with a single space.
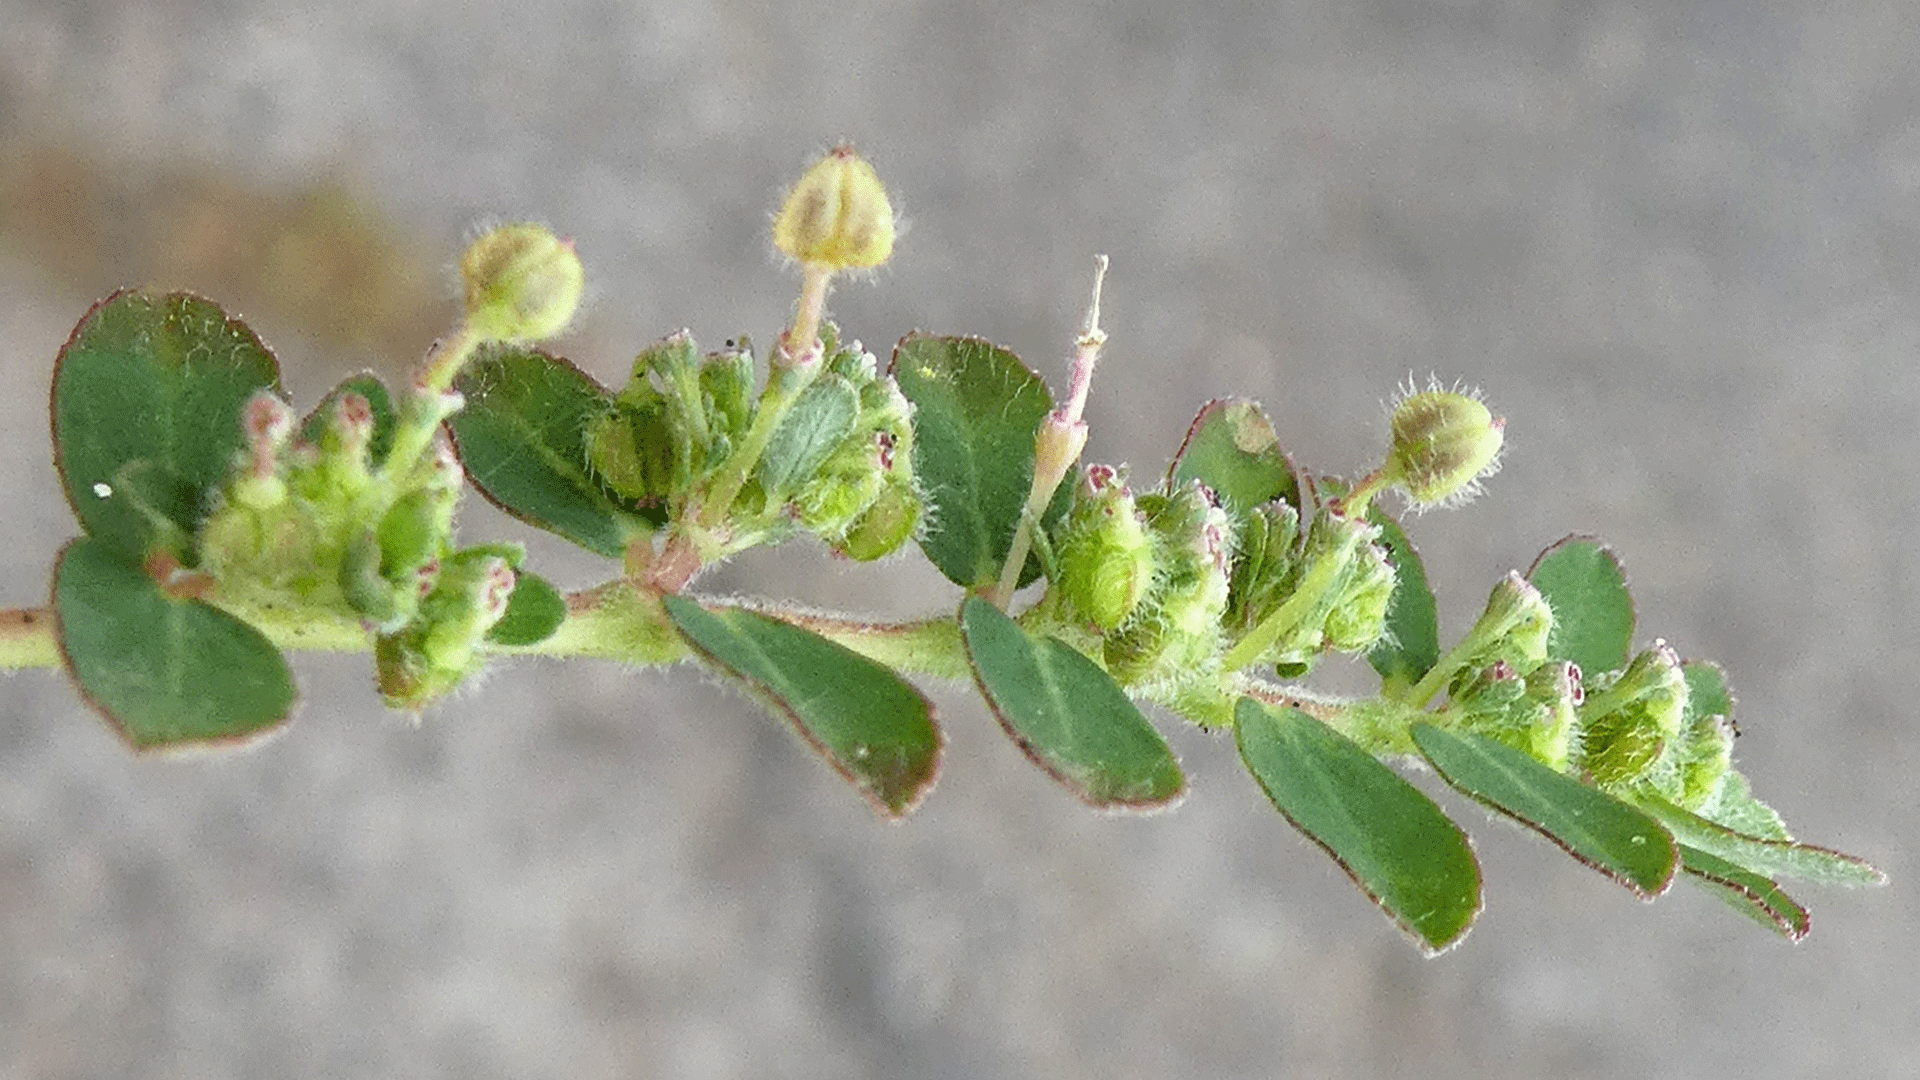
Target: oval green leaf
x=522 y=439
x=872 y=726
x=164 y=671
x=1391 y=840
x=1766 y=857
x=1068 y=715
x=534 y=611
x=1592 y=611
x=1411 y=645
x=1232 y=449
x=976 y=409
x=147 y=401
x=1758 y=898
x=1597 y=829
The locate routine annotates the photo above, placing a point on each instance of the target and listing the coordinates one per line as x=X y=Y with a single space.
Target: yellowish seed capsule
x=837 y=217
x=523 y=283
x=1444 y=442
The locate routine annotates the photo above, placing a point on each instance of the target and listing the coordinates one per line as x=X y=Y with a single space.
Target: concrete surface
x=1676 y=242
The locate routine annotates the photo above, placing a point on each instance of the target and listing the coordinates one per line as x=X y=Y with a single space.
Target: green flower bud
x=1176 y=633
x=1515 y=626
x=837 y=216
x=727 y=386
x=1265 y=566
x=435 y=652
x=1630 y=716
x=1358 y=619
x=523 y=283
x=1704 y=755
x=1557 y=687
x=380 y=603
x=1444 y=442
x=631 y=449
x=1106 y=558
x=888 y=522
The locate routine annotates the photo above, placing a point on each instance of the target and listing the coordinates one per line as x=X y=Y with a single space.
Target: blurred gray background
x=1676 y=241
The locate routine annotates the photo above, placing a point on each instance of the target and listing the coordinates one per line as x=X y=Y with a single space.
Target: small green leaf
x=976 y=410
x=1412 y=643
x=1232 y=449
x=1762 y=856
x=1758 y=898
x=522 y=438
x=871 y=725
x=1389 y=838
x=1587 y=823
x=1592 y=611
x=1707 y=692
x=534 y=611
x=165 y=671
x=814 y=425
x=379 y=403
x=1068 y=715
x=147 y=400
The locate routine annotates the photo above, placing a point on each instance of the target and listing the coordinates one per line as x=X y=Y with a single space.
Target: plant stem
x=803 y=337
x=421 y=415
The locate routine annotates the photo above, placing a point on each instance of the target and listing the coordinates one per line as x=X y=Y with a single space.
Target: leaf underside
x=1391 y=840
x=1599 y=830
x=1068 y=715
x=873 y=727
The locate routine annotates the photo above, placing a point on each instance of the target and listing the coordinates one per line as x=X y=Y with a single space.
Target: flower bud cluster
x=1330 y=587
x=1620 y=729
x=1631 y=718
x=862 y=500
x=434 y=652
x=311 y=524
x=838 y=464
x=1173 y=632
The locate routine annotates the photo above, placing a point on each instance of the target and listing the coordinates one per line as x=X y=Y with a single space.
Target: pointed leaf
x=976 y=409
x=379 y=403
x=1766 y=857
x=1412 y=643
x=166 y=671
x=522 y=438
x=1389 y=838
x=1232 y=449
x=814 y=425
x=1587 y=823
x=1068 y=715
x=147 y=400
x=1758 y=898
x=871 y=725
x=535 y=610
x=1592 y=611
